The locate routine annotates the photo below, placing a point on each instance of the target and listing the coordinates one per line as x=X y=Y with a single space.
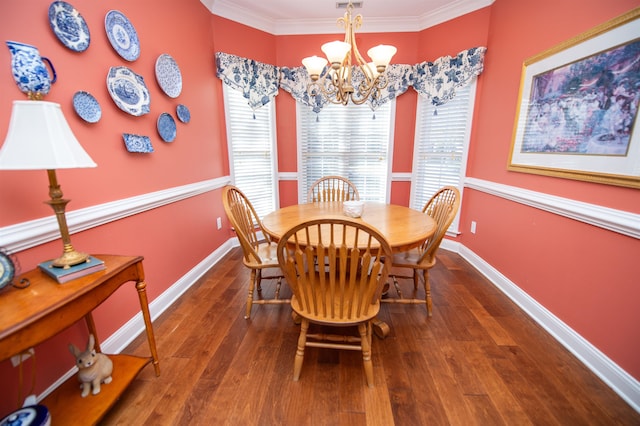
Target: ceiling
x=280 y=17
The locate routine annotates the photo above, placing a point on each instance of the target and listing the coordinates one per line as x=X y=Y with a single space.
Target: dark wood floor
x=478 y=361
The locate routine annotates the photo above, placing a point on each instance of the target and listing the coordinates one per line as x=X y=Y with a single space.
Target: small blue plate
x=183 y=113
x=87 y=107
x=137 y=143
x=167 y=127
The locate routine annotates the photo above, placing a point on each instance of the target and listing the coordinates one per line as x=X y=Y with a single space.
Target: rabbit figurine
x=94 y=368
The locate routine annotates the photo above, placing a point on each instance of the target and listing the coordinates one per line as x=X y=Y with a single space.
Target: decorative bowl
x=353 y=208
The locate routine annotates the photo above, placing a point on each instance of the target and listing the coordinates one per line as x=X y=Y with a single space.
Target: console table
x=45 y=308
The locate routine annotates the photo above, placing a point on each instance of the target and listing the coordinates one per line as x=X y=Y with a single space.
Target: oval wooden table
x=404 y=228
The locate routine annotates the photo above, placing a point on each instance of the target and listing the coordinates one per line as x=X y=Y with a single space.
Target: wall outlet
x=219 y=222
x=473 y=226
x=16 y=359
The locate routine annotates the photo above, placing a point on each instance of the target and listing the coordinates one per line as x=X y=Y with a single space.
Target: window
x=441 y=146
x=252 y=150
x=350 y=141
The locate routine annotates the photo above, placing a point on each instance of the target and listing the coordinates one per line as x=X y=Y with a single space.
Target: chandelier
x=344 y=82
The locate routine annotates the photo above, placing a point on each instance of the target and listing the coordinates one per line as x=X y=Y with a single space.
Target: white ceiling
x=280 y=17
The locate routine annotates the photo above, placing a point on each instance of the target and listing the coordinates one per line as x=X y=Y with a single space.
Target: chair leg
x=302 y=342
x=365 y=342
x=416 y=279
x=252 y=283
x=427 y=292
x=259 y=280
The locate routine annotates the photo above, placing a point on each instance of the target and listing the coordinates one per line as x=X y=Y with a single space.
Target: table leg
x=91 y=325
x=141 y=286
x=380 y=328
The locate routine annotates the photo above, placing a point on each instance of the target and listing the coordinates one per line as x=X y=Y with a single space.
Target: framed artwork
x=577 y=115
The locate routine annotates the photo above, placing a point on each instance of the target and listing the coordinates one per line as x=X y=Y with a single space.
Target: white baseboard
x=622 y=383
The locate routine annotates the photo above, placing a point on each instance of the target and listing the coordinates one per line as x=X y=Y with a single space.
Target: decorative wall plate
x=69 y=26
x=87 y=107
x=167 y=127
x=7 y=269
x=183 y=113
x=128 y=91
x=122 y=35
x=137 y=143
x=168 y=75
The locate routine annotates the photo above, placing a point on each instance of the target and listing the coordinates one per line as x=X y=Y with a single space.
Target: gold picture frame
x=577 y=112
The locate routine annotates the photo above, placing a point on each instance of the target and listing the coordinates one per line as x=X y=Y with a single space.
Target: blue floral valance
x=437 y=80
x=257 y=81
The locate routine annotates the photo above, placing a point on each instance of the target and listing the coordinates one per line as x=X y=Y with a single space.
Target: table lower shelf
x=66 y=406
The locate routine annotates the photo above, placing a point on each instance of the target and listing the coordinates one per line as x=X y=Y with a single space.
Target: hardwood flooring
x=478 y=361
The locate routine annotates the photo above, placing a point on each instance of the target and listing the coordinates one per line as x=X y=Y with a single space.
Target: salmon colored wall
x=584 y=275
x=173 y=239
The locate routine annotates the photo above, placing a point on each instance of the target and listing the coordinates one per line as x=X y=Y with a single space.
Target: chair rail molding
x=25 y=235
x=619 y=221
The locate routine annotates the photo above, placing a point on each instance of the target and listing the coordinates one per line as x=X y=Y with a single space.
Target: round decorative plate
x=183 y=113
x=167 y=127
x=31 y=415
x=69 y=26
x=128 y=91
x=122 y=35
x=7 y=269
x=168 y=75
x=87 y=107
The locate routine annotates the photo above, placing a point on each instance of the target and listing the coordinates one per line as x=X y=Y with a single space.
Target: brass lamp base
x=69 y=259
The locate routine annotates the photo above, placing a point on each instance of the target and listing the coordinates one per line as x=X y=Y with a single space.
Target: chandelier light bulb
x=381 y=55
x=314 y=65
x=336 y=51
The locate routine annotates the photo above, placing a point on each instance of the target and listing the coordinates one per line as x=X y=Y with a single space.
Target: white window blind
x=441 y=146
x=350 y=141
x=252 y=150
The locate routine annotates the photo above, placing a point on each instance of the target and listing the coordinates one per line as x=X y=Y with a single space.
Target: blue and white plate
x=137 y=143
x=168 y=75
x=69 y=26
x=87 y=107
x=128 y=91
x=183 y=113
x=167 y=127
x=122 y=35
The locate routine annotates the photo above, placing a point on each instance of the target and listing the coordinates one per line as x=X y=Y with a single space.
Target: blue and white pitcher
x=29 y=70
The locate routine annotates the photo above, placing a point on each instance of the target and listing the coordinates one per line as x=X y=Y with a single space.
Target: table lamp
x=39 y=138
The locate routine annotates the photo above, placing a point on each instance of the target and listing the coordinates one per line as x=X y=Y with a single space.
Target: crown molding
x=228 y=10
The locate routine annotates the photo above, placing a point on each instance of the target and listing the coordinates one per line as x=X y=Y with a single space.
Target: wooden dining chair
x=346 y=292
x=442 y=207
x=259 y=252
x=332 y=188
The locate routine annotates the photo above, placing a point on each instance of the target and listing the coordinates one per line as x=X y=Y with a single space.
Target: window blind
x=350 y=141
x=441 y=146
x=252 y=150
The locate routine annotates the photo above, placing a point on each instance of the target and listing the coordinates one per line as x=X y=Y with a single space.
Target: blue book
x=63 y=275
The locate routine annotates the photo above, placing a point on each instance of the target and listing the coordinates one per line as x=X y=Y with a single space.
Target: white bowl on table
x=353 y=208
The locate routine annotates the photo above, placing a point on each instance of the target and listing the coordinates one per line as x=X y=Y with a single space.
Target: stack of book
x=63 y=275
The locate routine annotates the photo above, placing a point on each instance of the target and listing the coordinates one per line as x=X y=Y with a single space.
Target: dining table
x=404 y=228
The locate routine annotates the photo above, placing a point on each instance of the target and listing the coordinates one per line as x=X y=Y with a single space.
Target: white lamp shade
x=314 y=64
x=381 y=55
x=336 y=51
x=39 y=138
